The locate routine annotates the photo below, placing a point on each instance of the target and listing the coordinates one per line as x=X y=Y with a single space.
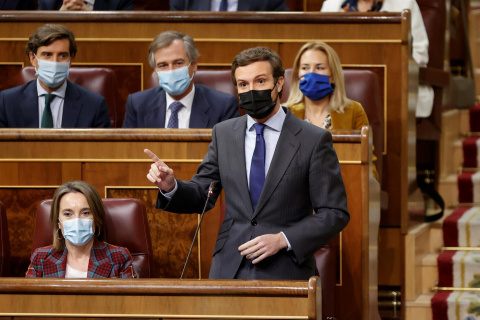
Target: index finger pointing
x=154 y=157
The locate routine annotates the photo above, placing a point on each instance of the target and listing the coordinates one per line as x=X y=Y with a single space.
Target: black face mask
x=258 y=104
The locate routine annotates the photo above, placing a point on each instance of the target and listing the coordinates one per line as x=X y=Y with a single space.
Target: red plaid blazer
x=106 y=261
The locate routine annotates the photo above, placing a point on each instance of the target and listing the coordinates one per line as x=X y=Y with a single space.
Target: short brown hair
x=166 y=38
x=94 y=202
x=252 y=55
x=48 y=33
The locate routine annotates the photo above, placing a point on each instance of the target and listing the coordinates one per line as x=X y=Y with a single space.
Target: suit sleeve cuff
x=169 y=195
x=289 y=247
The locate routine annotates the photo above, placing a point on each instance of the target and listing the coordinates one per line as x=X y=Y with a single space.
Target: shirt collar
x=187 y=101
x=275 y=122
x=59 y=92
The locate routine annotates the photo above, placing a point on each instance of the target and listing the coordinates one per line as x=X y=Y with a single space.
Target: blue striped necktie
x=173 y=121
x=224 y=5
x=257 y=168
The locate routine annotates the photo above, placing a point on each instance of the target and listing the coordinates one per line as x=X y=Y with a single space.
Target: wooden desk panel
x=114 y=162
x=140 y=298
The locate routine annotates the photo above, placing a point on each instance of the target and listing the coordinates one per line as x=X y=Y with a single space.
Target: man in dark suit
x=275 y=169
x=52 y=101
x=81 y=5
x=228 y=5
x=17 y=5
x=177 y=103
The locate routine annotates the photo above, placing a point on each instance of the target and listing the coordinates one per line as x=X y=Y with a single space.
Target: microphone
x=210 y=192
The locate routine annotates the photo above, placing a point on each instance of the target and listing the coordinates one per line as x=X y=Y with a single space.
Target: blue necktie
x=173 y=121
x=223 y=5
x=47 y=117
x=257 y=168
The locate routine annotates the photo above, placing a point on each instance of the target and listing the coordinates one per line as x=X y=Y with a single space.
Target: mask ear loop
x=278 y=93
x=193 y=75
x=97 y=234
x=59 y=234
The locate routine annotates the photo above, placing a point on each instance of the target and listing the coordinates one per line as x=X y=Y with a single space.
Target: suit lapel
x=100 y=265
x=156 y=110
x=71 y=106
x=55 y=264
x=287 y=147
x=29 y=106
x=238 y=162
x=199 y=115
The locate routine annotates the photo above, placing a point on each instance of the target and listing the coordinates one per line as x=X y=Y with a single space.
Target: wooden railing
x=161 y=298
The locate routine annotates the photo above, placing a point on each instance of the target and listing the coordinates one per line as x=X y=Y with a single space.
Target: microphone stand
x=210 y=192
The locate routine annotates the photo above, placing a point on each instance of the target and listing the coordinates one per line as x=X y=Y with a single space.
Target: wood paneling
x=390 y=266
x=113 y=161
x=138 y=298
x=21 y=206
x=124 y=38
x=9 y=75
x=475 y=44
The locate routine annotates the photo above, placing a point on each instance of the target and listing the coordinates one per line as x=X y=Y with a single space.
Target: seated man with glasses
x=177 y=103
x=52 y=101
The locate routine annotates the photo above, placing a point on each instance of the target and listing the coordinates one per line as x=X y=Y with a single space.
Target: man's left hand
x=263 y=246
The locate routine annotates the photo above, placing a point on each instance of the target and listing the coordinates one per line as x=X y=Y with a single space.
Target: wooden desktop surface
x=160 y=298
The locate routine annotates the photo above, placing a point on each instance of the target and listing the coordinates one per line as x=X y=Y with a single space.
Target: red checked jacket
x=106 y=261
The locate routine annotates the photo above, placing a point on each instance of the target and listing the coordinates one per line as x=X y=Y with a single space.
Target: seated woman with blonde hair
x=77 y=217
x=317 y=91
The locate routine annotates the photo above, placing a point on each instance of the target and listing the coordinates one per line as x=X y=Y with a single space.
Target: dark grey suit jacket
x=100 y=5
x=243 y=5
x=17 y=5
x=304 y=176
x=147 y=109
x=82 y=108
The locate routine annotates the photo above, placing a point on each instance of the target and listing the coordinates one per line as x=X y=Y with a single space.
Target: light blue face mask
x=52 y=73
x=175 y=81
x=77 y=231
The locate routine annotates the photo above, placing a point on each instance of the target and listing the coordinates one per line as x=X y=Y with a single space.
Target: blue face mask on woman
x=52 y=73
x=315 y=86
x=175 y=81
x=78 y=231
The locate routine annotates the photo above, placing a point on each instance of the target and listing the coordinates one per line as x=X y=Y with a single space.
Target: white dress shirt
x=56 y=105
x=232 y=5
x=271 y=133
x=184 y=113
